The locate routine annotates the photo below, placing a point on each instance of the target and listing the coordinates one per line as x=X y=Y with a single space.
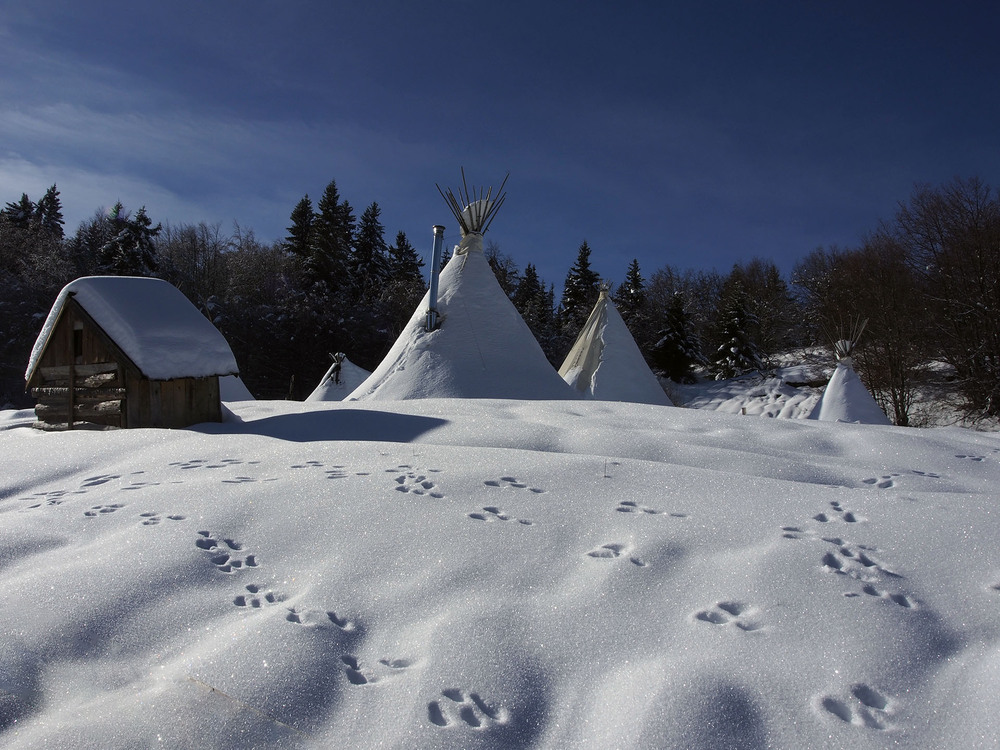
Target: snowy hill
x=449 y=573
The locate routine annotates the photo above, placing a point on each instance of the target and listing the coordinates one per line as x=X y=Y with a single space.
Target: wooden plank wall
x=80 y=393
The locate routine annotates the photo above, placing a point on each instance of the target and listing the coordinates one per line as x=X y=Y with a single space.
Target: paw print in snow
x=883 y=482
x=493 y=513
x=152 y=518
x=630 y=506
x=256 y=597
x=456 y=705
x=613 y=551
x=854 y=561
x=725 y=613
x=98 y=480
x=865 y=707
x=361 y=675
x=319 y=619
x=223 y=556
x=838 y=513
x=415 y=482
x=512 y=483
x=901 y=599
x=99 y=510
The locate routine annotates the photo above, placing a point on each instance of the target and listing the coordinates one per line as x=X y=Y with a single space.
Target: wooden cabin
x=127 y=352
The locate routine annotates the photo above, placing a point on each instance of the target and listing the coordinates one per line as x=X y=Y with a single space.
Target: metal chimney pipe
x=432 y=315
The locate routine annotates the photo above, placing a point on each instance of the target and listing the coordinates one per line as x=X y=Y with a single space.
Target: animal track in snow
x=139 y=486
x=46 y=499
x=362 y=675
x=203 y=463
x=725 y=613
x=854 y=561
x=320 y=619
x=971 y=458
x=222 y=553
x=98 y=510
x=98 y=480
x=837 y=512
x=901 y=599
x=612 y=551
x=493 y=513
x=415 y=481
x=865 y=707
x=630 y=506
x=884 y=482
x=512 y=483
x=335 y=471
x=256 y=597
x=456 y=706
x=152 y=518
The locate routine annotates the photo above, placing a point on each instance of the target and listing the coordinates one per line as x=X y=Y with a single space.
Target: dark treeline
x=927 y=281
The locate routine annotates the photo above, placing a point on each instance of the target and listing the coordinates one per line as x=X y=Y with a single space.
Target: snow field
x=463 y=573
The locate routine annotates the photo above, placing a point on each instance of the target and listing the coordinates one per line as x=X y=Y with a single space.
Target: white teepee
x=480 y=348
x=845 y=398
x=342 y=378
x=605 y=363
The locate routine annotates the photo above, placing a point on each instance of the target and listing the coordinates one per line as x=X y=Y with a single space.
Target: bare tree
x=952 y=235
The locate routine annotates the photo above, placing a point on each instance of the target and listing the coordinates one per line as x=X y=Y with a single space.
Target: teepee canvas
x=478 y=346
x=605 y=362
x=845 y=398
x=340 y=379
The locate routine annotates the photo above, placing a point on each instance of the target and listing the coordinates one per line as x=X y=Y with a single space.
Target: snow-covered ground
x=462 y=573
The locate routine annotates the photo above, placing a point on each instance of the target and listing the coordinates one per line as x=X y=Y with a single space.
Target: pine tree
x=130 y=251
x=630 y=296
x=529 y=297
x=48 y=212
x=580 y=292
x=333 y=238
x=405 y=285
x=404 y=262
x=737 y=354
x=678 y=350
x=300 y=233
x=370 y=260
x=22 y=213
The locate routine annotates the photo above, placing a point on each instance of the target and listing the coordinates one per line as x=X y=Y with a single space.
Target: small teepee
x=340 y=379
x=478 y=345
x=845 y=398
x=605 y=362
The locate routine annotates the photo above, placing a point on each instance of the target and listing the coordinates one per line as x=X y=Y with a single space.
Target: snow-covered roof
x=605 y=362
x=482 y=349
x=152 y=322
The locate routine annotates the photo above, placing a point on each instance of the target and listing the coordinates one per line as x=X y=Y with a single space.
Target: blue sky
x=691 y=134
